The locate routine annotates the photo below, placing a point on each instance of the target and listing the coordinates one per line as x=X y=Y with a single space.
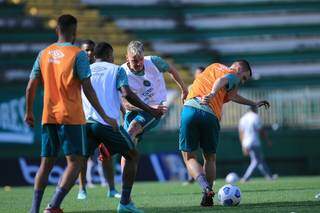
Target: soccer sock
x=203 y=181
x=111 y=188
x=58 y=197
x=37 y=197
x=125 y=195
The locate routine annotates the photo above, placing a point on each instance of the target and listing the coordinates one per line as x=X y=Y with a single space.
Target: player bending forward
x=201 y=115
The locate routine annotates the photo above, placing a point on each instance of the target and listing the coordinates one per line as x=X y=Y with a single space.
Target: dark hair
x=89 y=42
x=66 y=23
x=244 y=65
x=103 y=49
x=201 y=68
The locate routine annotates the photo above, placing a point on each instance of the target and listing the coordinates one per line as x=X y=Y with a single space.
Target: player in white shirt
x=250 y=131
x=145 y=77
x=109 y=81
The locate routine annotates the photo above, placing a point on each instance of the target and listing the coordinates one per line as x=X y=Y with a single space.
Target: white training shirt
x=250 y=124
x=150 y=87
x=104 y=82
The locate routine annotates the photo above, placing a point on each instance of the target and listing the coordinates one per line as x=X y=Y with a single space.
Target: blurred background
x=280 y=38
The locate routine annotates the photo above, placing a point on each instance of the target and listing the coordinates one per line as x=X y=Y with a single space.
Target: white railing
x=289 y=108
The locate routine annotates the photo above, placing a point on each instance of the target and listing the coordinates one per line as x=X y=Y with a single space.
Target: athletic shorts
x=116 y=142
x=71 y=138
x=146 y=120
x=198 y=128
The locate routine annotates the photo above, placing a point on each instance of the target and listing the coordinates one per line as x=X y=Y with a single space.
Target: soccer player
x=63 y=69
x=201 y=115
x=250 y=131
x=105 y=168
x=145 y=76
x=108 y=80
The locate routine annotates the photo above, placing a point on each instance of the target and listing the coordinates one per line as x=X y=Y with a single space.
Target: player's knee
x=210 y=157
x=134 y=129
x=132 y=155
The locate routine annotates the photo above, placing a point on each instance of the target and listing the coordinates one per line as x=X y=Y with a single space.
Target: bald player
x=201 y=115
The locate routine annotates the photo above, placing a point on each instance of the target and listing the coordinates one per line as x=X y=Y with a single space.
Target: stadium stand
x=268 y=33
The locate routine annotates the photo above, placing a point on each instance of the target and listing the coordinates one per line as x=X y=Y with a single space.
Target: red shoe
x=104 y=152
x=52 y=210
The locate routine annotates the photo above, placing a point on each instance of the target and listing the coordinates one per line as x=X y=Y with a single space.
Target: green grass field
x=287 y=194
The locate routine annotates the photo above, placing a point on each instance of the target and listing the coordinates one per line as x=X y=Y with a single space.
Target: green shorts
x=116 y=142
x=146 y=120
x=198 y=128
x=71 y=138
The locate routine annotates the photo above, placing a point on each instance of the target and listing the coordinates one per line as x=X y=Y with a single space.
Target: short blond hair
x=136 y=48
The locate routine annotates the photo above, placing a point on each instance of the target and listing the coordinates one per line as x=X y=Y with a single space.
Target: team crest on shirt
x=55 y=56
x=146 y=83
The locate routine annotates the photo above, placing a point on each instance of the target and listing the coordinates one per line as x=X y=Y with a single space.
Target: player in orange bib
x=200 y=117
x=63 y=69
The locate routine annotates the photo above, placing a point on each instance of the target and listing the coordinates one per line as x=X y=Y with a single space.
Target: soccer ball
x=229 y=195
x=232 y=178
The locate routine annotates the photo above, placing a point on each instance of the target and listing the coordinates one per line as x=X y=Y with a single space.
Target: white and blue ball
x=229 y=195
x=232 y=178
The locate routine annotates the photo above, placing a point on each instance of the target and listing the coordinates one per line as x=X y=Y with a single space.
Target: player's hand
x=184 y=95
x=206 y=99
x=113 y=123
x=264 y=103
x=159 y=110
x=29 y=119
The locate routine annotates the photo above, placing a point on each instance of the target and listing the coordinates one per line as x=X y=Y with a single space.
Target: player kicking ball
x=145 y=76
x=108 y=80
x=200 y=117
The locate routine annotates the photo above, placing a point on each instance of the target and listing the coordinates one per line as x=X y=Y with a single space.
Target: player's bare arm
x=241 y=100
x=218 y=84
x=30 y=95
x=92 y=97
x=176 y=77
x=135 y=101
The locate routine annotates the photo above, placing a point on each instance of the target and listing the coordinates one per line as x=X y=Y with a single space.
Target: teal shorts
x=146 y=120
x=198 y=128
x=116 y=142
x=71 y=138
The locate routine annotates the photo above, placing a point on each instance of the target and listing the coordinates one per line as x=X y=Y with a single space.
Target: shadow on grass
x=258 y=207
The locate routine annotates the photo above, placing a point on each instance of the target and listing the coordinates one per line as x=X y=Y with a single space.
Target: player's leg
x=262 y=166
x=41 y=181
x=82 y=194
x=90 y=166
x=108 y=172
x=210 y=168
x=49 y=150
x=253 y=165
x=209 y=139
x=75 y=148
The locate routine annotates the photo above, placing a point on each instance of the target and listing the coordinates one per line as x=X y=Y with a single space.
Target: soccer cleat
x=82 y=195
x=130 y=207
x=207 y=197
x=114 y=193
x=104 y=153
x=52 y=210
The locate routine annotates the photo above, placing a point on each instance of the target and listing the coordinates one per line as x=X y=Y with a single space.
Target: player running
x=108 y=80
x=63 y=69
x=105 y=168
x=200 y=117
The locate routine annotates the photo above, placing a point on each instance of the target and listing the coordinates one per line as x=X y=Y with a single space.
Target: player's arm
x=244 y=150
x=220 y=83
x=176 y=77
x=241 y=100
x=132 y=99
x=30 y=96
x=31 y=91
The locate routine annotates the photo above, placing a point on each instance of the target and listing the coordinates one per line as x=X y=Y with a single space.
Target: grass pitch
x=287 y=194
